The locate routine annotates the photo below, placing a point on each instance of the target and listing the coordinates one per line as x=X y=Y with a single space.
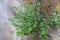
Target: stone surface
x=7 y=30
x=55 y=35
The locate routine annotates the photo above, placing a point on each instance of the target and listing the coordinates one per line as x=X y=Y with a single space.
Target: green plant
x=48 y=4
x=31 y=20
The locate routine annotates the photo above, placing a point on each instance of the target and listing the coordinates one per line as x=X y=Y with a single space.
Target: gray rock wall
x=7 y=30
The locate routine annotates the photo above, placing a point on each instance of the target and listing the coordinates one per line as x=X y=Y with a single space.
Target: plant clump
x=33 y=20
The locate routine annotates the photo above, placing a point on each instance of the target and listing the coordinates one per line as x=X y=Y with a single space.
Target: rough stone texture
x=55 y=35
x=7 y=30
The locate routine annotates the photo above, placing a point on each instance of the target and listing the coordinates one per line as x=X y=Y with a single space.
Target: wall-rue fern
x=31 y=20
